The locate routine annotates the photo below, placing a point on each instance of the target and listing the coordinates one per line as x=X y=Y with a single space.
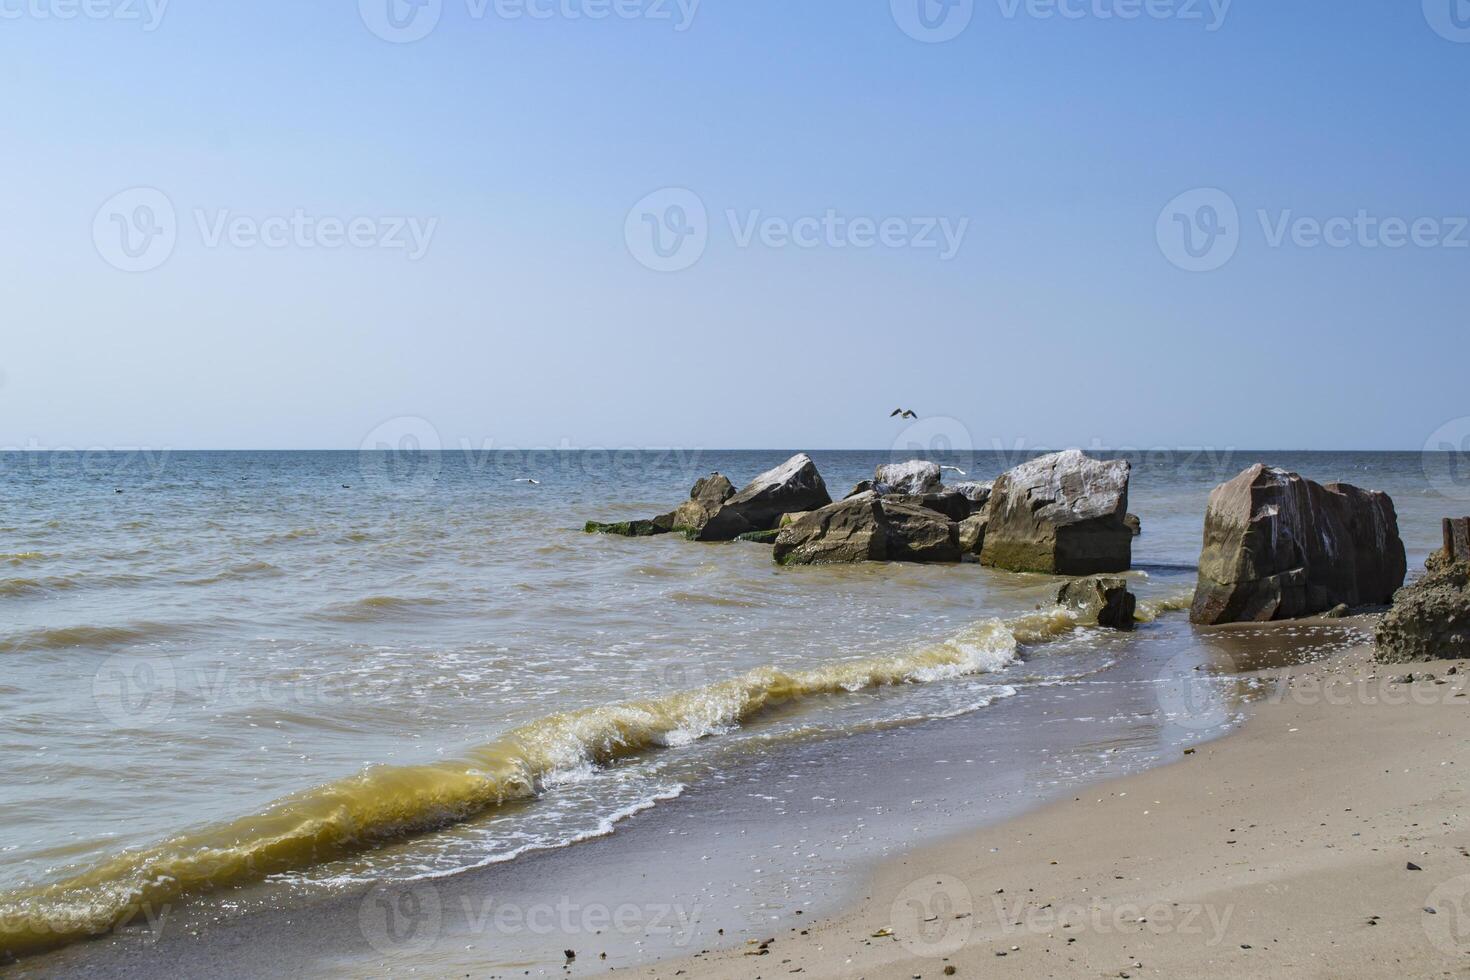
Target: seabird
x=955 y=468
x=906 y=413
x=534 y=483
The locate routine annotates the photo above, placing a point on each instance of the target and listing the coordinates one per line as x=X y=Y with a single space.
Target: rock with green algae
x=627 y=529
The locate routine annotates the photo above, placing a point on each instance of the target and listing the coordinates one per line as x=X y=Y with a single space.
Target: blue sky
x=518 y=147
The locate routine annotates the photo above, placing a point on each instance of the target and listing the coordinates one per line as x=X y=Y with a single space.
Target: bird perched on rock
x=903 y=413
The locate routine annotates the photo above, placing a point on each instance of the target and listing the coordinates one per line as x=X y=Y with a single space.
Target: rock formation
x=1277 y=546
x=1061 y=514
x=1103 y=600
x=1430 y=619
x=913 y=477
x=793 y=486
x=868 y=528
x=705 y=500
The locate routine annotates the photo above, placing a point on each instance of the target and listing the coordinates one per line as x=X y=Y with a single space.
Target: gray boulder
x=1061 y=514
x=1278 y=546
x=978 y=494
x=868 y=528
x=793 y=486
x=1103 y=600
x=972 y=534
x=954 y=506
x=919 y=533
x=705 y=500
x=1430 y=619
x=913 y=477
x=851 y=530
x=627 y=529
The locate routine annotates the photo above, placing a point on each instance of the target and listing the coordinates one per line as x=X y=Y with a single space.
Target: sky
x=733 y=223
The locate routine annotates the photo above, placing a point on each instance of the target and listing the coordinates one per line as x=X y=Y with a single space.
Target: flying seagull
x=904 y=413
x=955 y=468
x=534 y=483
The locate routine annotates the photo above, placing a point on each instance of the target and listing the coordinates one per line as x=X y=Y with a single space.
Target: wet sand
x=1281 y=850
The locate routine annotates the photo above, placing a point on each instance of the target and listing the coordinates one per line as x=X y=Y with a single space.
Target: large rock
x=919 y=533
x=1103 y=600
x=913 y=477
x=1061 y=514
x=954 y=506
x=972 y=534
x=705 y=500
x=793 y=486
x=1277 y=546
x=978 y=494
x=1430 y=620
x=868 y=528
x=627 y=529
x=851 y=530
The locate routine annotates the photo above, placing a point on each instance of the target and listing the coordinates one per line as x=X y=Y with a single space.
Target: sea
x=237 y=683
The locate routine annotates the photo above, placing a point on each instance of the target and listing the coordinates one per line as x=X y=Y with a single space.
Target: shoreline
x=1280 y=849
x=811 y=811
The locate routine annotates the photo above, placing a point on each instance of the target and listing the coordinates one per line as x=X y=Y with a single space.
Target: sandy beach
x=1284 y=849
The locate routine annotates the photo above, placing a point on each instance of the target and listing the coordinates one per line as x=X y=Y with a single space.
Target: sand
x=1280 y=850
